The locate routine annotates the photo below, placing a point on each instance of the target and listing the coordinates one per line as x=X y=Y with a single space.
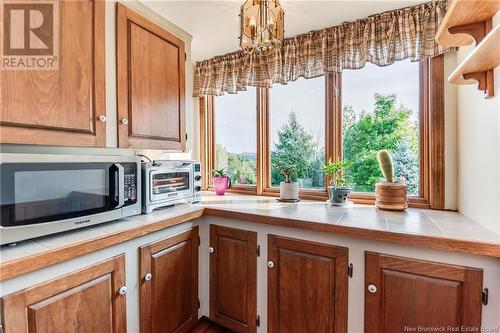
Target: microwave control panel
x=130 y=188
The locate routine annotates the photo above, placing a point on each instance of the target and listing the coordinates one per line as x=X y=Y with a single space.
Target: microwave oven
x=166 y=183
x=42 y=194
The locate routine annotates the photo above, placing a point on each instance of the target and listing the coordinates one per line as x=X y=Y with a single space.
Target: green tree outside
x=388 y=127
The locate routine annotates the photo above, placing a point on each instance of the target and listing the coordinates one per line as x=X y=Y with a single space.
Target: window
x=235 y=131
x=348 y=116
x=297 y=130
x=381 y=111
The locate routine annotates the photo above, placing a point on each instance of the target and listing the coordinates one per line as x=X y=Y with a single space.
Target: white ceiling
x=214 y=24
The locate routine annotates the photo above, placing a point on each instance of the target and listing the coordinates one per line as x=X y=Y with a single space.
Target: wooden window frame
x=432 y=173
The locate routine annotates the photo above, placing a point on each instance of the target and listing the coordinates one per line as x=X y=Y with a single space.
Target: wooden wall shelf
x=460 y=14
x=478 y=66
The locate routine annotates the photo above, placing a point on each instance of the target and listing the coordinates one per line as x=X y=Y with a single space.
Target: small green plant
x=219 y=172
x=385 y=162
x=336 y=172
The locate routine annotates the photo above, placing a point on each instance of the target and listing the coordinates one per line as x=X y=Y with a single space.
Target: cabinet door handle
x=102 y=118
x=372 y=288
x=211 y=250
x=123 y=290
x=270 y=264
x=148 y=277
x=124 y=121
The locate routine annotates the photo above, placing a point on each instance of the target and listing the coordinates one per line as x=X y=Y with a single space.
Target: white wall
x=111 y=105
x=479 y=150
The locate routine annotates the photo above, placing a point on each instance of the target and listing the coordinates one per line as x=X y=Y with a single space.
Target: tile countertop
x=420 y=227
x=414 y=221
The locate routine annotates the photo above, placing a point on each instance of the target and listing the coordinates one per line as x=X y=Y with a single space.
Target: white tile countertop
x=442 y=230
x=413 y=221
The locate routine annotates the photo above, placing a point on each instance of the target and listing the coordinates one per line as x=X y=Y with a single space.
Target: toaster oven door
x=170 y=184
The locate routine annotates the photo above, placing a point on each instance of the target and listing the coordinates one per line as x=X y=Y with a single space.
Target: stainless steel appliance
x=166 y=183
x=45 y=194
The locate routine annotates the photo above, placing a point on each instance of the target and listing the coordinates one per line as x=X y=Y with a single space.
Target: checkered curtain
x=381 y=39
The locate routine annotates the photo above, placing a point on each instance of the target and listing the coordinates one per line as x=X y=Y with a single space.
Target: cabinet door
x=233 y=278
x=84 y=301
x=169 y=297
x=63 y=106
x=411 y=293
x=151 y=92
x=307 y=286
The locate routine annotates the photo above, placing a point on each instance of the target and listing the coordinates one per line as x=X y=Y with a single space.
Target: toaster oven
x=166 y=183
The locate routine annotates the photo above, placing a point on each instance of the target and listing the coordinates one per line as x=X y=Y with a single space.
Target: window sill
x=357 y=197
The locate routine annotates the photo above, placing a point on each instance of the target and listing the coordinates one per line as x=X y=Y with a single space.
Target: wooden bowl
x=390 y=196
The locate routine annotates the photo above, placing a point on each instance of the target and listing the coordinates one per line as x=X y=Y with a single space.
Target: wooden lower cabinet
x=233 y=278
x=83 y=301
x=402 y=294
x=169 y=283
x=307 y=286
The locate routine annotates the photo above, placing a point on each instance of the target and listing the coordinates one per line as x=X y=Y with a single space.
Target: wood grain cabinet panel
x=84 y=301
x=61 y=107
x=307 y=286
x=233 y=278
x=412 y=293
x=151 y=92
x=169 y=297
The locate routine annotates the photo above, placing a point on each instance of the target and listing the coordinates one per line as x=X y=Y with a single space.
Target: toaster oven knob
x=197 y=178
x=197 y=188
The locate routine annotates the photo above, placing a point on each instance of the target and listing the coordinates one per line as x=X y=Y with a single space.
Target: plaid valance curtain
x=381 y=39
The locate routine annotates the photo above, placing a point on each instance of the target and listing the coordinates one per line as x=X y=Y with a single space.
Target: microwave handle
x=118 y=169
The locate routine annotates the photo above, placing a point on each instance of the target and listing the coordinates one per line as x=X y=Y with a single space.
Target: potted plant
x=289 y=188
x=221 y=181
x=339 y=190
x=389 y=195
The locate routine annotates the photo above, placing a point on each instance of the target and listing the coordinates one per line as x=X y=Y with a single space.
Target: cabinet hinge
x=199 y=240
x=257 y=321
x=486 y=293
x=350 y=270
x=337 y=92
x=199 y=304
x=258 y=250
x=185 y=56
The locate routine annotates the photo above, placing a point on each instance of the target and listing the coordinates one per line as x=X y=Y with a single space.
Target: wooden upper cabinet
x=169 y=295
x=151 y=92
x=63 y=106
x=233 y=278
x=84 y=301
x=402 y=292
x=307 y=286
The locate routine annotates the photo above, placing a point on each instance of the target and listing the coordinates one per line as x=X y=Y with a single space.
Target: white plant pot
x=289 y=191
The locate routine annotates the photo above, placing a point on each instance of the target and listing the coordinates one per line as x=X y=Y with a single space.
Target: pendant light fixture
x=262 y=25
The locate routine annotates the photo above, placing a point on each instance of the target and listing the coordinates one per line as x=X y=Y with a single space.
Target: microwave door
x=34 y=193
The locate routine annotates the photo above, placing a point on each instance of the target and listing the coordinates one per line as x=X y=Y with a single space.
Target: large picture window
x=235 y=131
x=349 y=116
x=380 y=110
x=297 y=129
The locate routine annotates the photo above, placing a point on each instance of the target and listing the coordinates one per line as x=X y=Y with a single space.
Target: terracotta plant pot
x=390 y=196
x=221 y=184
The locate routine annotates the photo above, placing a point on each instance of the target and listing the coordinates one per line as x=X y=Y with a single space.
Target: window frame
x=431 y=104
